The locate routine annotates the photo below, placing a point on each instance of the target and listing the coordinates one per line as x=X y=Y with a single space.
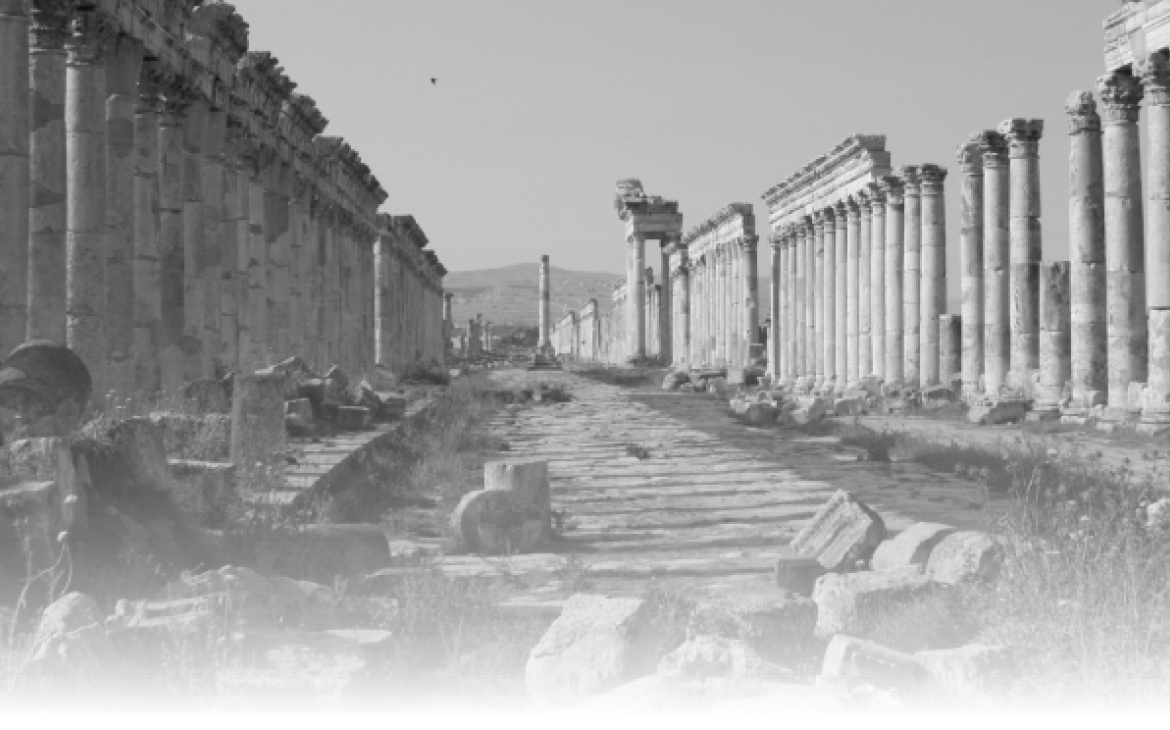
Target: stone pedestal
x=1055 y=338
x=528 y=480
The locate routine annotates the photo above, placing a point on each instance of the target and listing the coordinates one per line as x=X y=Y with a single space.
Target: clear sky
x=542 y=105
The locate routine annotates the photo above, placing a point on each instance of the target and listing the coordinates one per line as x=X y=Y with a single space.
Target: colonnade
x=412 y=313
x=169 y=207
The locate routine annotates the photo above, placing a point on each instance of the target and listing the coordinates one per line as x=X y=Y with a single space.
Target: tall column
x=14 y=174
x=1155 y=77
x=950 y=346
x=229 y=316
x=123 y=68
x=853 y=322
x=718 y=333
x=912 y=277
x=194 y=237
x=382 y=256
x=635 y=301
x=828 y=299
x=811 y=244
x=750 y=297
x=735 y=311
x=545 y=345
x=279 y=254
x=665 y=302
x=684 y=310
x=1055 y=338
x=864 y=246
x=298 y=210
x=892 y=188
x=788 y=301
x=1086 y=210
x=971 y=263
x=776 y=308
x=800 y=330
x=171 y=235
x=996 y=261
x=934 y=268
x=877 y=282
x=147 y=270
x=818 y=297
x=247 y=160
x=1121 y=97
x=209 y=265
x=1023 y=136
x=841 y=294
x=46 y=165
x=85 y=150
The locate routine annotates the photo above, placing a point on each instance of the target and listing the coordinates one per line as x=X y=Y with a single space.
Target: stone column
x=1055 y=338
x=776 y=308
x=893 y=191
x=246 y=161
x=209 y=265
x=260 y=185
x=1086 y=206
x=800 y=330
x=229 y=314
x=1121 y=97
x=171 y=234
x=279 y=253
x=970 y=158
x=665 y=302
x=1023 y=136
x=818 y=297
x=841 y=294
x=258 y=435
x=14 y=174
x=194 y=237
x=864 y=245
x=950 y=347
x=545 y=346
x=123 y=69
x=684 y=312
x=635 y=301
x=934 y=268
x=912 y=277
x=147 y=271
x=733 y=304
x=1155 y=78
x=85 y=150
x=829 y=299
x=46 y=106
x=996 y=261
x=853 y=322
x=811 y=345
x=877 y=282
x=751 y=297
x=788 y=264
x=382 y=256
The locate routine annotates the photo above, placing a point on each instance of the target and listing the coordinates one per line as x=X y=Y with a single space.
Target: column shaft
x=853 y=324
x=818 y=297
x=14 y=174
x=1055 y=337
x=209 y=265
x=194 y=239
x=912 y=278
x=147 y=271
x=971 y=263
x=996 y=261
x=635 y=301
x=229 y=322
x=1023 y=138
x=841 y=294
x=864 y=314
x=877 y=288
x=934 y=270
x=950 y=347
x=665 y=320
x=895 y=257
x=1155 y=76
x=751 y=298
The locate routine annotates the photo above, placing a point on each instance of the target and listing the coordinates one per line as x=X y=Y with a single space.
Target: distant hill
x=510 y=295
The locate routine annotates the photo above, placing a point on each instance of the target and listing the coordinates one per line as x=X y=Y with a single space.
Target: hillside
x=509 y=295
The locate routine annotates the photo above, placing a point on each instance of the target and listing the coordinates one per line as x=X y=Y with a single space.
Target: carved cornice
x=1121 y=95
x=933 y=177
x=1081 y=108
x=51 y=24
x=970 y=158
x=1023 y=136
x=736 y=211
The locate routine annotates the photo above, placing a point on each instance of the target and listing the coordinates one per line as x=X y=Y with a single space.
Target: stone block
x=498 y=523
x=760 y=414
x=258 y=439
x=937 y=396
x=314 y=390
x=393 y=406
x=673 y=381
x=843 y=533
x=686 y=388
x=30 y=513
x=845 y=602
x=294 y=675
x=973 y=669
x=849 y=406
x=297 y=427
x=736 y=376
x=854 y=660
x=338 y=376
x=294 y=370
x=528 y=479
x=965 y=556
x=996 y=412
x=798 y=573
x=71 y=642
x=771 y=620
x=301 y=407
x=910 y=547
x=1135 y=396
x=207 y=485
x=595 y=645
x=811 y=409
x=353 y=418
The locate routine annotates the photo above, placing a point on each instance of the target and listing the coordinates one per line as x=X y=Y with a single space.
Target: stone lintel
x=827 y=179
x=1135 y=29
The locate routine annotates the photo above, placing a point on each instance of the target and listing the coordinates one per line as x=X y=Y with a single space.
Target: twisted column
x=14 y=174
x=1155 y=78
x=877 y=289
x=1023 y=138
x=1121 y=98
x=912 y=277
x=894 y=192
x=829 y=299
x=996 y=261
x=970 y=158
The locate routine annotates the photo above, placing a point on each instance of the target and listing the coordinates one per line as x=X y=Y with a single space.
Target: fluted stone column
x=751 y=297
x=279 y=253
x=829 y=299
x=1023 y=137
x=545 y=345
x=950 y=346
x=734 y=280
x=811 y=282
x=684 y=312
x=912 y=277
x=893 y=190
x=209 y=264
x=147 y=270
x=260 y=187
x=1124 y=243
x=665 y=320
x=85 y=150
x=996 y=261
x=1155 y=77
x=934 y=269
x=775 y=347
x=382 y=255
x=818 y=343
x=194 y=237
x=171 y=237
x=229 y=314
x=853 y=325
x=800 y=331
x=14 y=173
x=123 y=69
x=1055 y=338
x=1086 y=204
x=864 y=246
x=841 y=294
x=970 y=158
x=46 y=166
x=246 y=161
x=635 y=301
x=792 y=371
x=877 y=288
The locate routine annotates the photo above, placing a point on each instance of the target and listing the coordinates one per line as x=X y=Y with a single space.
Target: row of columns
x=719 y=289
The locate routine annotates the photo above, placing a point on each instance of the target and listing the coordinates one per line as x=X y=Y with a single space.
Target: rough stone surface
x=301 y=408
x=970 y=669
x=912 y=546
x=964 y=556
x=498 y=522
x=845 y=602
x=294 y=675
x=354 y=418
x=528 y=479
x=843 y=532
x=851 y=658
x=591 y=648
x=673 y=381
x=798 y=573
x=773 y=621
x=715 y=656
x=141 y=447
x=71 y=638
x=997 y=412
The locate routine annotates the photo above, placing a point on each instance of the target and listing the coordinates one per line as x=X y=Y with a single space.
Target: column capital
x=1023 y=136
x=51 y=26
x=150 y=79
x=841 y=211
x=747 y=242
x=1121 y=95
x=852 y=209
x=994 y=148
x=1081 y=108
x=823 y=218
x=877 y=198
x=894 y=189
x=912 y=180
x=933 y=177
x=1154 y=72
x=970 y=158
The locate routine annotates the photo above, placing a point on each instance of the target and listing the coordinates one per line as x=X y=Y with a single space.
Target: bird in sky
x=434 y=81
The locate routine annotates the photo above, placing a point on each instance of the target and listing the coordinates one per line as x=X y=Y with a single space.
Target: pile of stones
x=318 y=404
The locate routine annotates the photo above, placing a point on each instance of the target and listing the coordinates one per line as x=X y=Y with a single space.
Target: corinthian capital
x=1121 y=96
x=933 y=177
x=1154 y=72
x=50 y=23
x=894 y=189
x=1081 y=108
x=994 y=147
x=970 y=157
x=877 y=198
x=912 y=179
x=1023 y=136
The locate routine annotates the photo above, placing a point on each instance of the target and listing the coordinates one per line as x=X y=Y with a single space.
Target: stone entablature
x=1135 y=30
x=848 y=169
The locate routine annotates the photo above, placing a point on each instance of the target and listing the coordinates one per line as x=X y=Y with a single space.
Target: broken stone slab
x=686 y=388
x=48 y=385
x=528 y=479
x=760 y=414
x=255 y=600
x=297 y=427
x=314 y=389
x=775 y=622
x=498 y=523
x=993 y=413
x=258 y=439
x=596 y=644
x=211 y=431
x=338 y=376
x=790 y=701
x=30 y=514
x=849 y=406
x=810 y=410
x=210 y=486
x=354 y=418
x=973 y=669
x=51 y=459
x=965 y=556
x=857 y=660
x=912 y=546
x=319 y=552
x=844 y=532
x=393 y=406
x=673 y=381
x=845 y=602
x=798 y=573
x=208 y=396
x=702 y=657
x=293 y=675
x=936 y=396
x=294 y=371
x=411 y=550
